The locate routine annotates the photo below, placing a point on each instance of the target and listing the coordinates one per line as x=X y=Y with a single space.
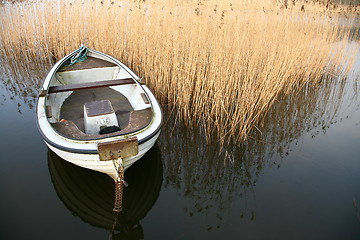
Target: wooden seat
x=80 y=86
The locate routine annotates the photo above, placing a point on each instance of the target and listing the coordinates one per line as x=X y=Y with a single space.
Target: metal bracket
x=118 y=149
x=145 y=98
x=42 y=93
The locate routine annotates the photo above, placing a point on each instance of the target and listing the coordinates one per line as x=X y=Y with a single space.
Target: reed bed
x=215 y=64
x=211 y=179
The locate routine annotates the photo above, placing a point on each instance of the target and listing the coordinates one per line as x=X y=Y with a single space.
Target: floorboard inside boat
x=73 y=107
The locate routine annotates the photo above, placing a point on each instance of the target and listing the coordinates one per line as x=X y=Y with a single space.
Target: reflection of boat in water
x=90 y=195
x=93 y=111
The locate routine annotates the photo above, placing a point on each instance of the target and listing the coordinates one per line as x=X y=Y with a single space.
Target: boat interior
x=94 y=99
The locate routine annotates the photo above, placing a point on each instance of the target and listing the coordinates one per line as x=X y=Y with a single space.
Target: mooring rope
x=80 y=56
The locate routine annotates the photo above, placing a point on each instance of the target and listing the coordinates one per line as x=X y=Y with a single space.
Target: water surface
x=298 y=177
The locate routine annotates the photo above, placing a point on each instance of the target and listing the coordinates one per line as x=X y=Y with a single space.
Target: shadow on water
x=90 y=195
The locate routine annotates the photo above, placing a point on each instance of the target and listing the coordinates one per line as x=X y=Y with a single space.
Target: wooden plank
x=89 y=63
x=96 y=108
x=79 y=86
x=48 y=111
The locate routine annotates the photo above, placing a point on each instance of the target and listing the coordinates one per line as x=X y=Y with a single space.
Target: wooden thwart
x=79 y=86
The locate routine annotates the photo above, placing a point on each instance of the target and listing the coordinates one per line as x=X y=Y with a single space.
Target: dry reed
x=216 y=64
x=205 y=176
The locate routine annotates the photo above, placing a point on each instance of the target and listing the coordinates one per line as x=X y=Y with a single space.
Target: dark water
x=297 y=178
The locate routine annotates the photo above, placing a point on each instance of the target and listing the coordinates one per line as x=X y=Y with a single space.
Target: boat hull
x=92 y=161
x=84 y=152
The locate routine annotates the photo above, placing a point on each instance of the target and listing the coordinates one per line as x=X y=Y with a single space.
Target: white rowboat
x=95 y=113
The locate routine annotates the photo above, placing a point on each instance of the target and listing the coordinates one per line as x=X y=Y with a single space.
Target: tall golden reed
x=215 y=64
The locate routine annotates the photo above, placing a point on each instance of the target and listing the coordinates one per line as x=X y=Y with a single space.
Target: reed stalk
x=216 y=64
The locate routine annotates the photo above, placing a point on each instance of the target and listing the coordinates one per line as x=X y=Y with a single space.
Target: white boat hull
x=92 y=161
x=84 y=152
